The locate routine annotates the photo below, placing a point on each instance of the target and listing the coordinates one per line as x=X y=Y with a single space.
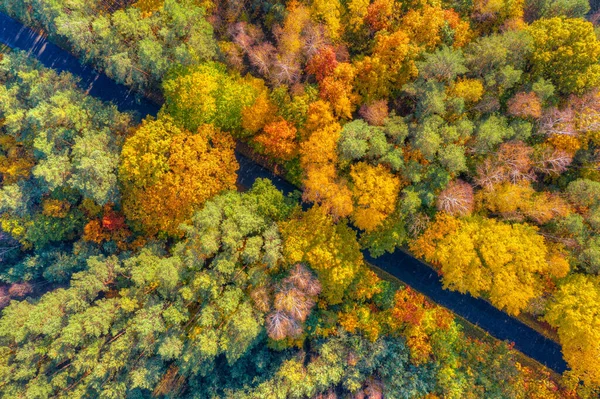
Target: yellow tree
x=424 y=26
x=566 y=51
x=329 y=248
x=337 y=89
x=375 y=192
x=390 y=65
x=318 y=158
x=506 y=262
x=167 y=173
x=520 y=201
x=328 y=11
x=575 y=311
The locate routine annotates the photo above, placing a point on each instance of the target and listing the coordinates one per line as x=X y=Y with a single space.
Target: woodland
x=133 y=265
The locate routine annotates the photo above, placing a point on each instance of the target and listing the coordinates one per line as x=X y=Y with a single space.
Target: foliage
x=506 y=262
x=167 y=173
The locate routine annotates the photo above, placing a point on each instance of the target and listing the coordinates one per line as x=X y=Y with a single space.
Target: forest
x=134 y=265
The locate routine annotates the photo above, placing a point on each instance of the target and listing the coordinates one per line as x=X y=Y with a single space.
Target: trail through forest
x=401 y=265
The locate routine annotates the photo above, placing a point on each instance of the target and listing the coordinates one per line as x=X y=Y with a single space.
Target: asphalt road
x=401 y=265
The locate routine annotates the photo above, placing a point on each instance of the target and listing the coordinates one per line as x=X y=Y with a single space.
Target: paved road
x=399 y=264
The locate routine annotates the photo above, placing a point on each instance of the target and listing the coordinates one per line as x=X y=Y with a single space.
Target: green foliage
x=206 y=94
x=131 y=49
x=67 y=147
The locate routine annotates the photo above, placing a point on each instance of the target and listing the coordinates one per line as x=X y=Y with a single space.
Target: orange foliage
x=110 y=227
x=337 y=89
x=379 y=14
x=16 y=162
x=318 y=158
x=525 y=105
x=279 y=140
x=323 y=63
x=418 y=319
x=168 y=173
x=462 y=29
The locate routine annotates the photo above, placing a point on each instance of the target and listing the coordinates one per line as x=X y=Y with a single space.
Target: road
x=400 y=264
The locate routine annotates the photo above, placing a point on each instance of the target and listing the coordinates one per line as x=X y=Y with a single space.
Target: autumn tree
x=457 y=199
x=207 y=94
x=329 y=248
x=375 y=192
x=279 y=140
x=318 y=158
x=505 y=262
x=167 y=173
x=520 y=201
x=566 y=51
x=574 y=312
x=525 y=105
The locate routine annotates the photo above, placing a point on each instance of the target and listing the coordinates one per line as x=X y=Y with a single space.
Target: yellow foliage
x=469 y=90
x=425 y=246
x=359 y=318
x=357 y=11
x=330 y=249
x=506 y=262
x=375 y=192
x=56 y=208
x=494 y=14
x=168 y=173
x=296 y=19
x=575 y=311
x=566 y=51
x=337 y=89
x=423 y=26
x=390 y=66
x=568 y=143
x=260 y=113
x=519 y=201
x=318 y=158
x=328 y=11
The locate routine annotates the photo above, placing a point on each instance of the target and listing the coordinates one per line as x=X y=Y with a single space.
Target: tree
x=389 y=67
x=207 y=94
x=375 y=192
x=279 y=140
x=456 y=199
x=520 y=201
x=330 y=249
x=525 y=105
x=443 y=65
x=58 y=148
x=167 y=173
x=318 y=158
x=574 y=312
x=337 y=89
x=482 y=256
x=128 y=326
x=566 y=51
